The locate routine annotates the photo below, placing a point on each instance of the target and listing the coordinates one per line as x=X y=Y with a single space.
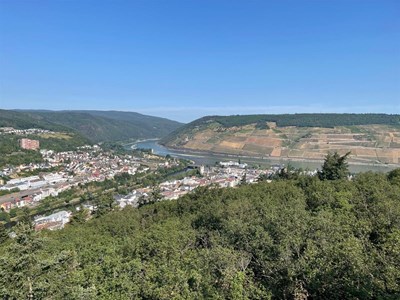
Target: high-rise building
x=29 y=144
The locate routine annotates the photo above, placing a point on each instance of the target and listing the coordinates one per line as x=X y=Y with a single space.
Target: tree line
x=305 y=120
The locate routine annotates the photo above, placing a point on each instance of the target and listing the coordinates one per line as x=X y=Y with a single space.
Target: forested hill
x=371 y=138
x=306 y=120
x=289 y=239
x=20 y=120
x=298 y=120
x=95 y=125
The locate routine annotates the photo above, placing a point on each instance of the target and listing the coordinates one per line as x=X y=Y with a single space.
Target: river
x=197 y=158
x=211 y=158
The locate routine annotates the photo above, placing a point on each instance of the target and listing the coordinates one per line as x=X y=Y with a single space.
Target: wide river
x=211 y=158
x=196 y=157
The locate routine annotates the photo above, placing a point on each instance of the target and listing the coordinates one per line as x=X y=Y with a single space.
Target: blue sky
x=189 y=58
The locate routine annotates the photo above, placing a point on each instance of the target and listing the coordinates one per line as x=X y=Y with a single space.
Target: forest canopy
x=310 y=120
x=288 y=239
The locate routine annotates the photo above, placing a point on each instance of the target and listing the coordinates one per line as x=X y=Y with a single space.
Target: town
x=62 y=171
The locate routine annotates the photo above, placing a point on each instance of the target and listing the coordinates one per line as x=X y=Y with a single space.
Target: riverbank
x=209 y=158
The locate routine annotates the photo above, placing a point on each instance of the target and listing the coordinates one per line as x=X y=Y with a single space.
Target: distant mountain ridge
x=97 y=126
x=21 y=120
x=325 y=120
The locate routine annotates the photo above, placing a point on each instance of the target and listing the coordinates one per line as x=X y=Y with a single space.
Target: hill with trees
x=60 y=138
x=73 y=129
x=20 y=120
x=371 y=138
x=326 y=120
x=96 y=126
x=298 y=238
x=13 y=154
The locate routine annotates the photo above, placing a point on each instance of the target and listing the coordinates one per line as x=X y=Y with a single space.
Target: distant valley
x=70 y=129
x=371 y=138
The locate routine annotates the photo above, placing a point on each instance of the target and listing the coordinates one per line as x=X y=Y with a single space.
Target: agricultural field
x=56 y=135
x=367 y=143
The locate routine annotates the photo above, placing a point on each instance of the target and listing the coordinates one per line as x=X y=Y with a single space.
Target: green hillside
x=308 y=120
x=282 y=120
x=25 y=120
x=371 y=138
x=289 y=239
x=97 y=126
x=12 y=154
x=63 y=139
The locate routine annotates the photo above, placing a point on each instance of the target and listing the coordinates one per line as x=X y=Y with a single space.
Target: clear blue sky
x=184 y=59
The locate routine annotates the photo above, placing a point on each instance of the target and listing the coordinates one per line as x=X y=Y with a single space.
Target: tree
x=3 y=233
x=243 y=181
x=80 y=216
x=263 y=177
x=394 y=176
x=104 y=203
x=4 y=216
x=335 y=167
x=155 y=195
x=287 y=173
x=20 y=269
x=25 y=217
x=13 y=212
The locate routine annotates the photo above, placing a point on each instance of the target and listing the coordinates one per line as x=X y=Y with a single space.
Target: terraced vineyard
x=367 y=143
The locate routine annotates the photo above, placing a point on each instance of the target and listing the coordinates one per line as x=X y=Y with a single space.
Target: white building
x=54 y=178
x=61 y=218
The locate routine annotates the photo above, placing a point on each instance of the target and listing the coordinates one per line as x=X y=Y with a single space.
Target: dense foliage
x=288 y=239
x=310 y=120
x=12 y=154
x=20 y=120
x=61 y=144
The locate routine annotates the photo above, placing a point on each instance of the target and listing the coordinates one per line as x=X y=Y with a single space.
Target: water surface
x=211 y=158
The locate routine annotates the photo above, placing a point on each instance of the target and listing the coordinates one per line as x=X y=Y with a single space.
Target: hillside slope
x=24 y=120
x=108 y=125
x=60 y=138
x=287 y=239
x=370 y=137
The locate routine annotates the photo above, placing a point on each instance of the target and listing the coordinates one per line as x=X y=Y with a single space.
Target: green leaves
x=104 y=204
x=288 y=239
x=335 y=167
